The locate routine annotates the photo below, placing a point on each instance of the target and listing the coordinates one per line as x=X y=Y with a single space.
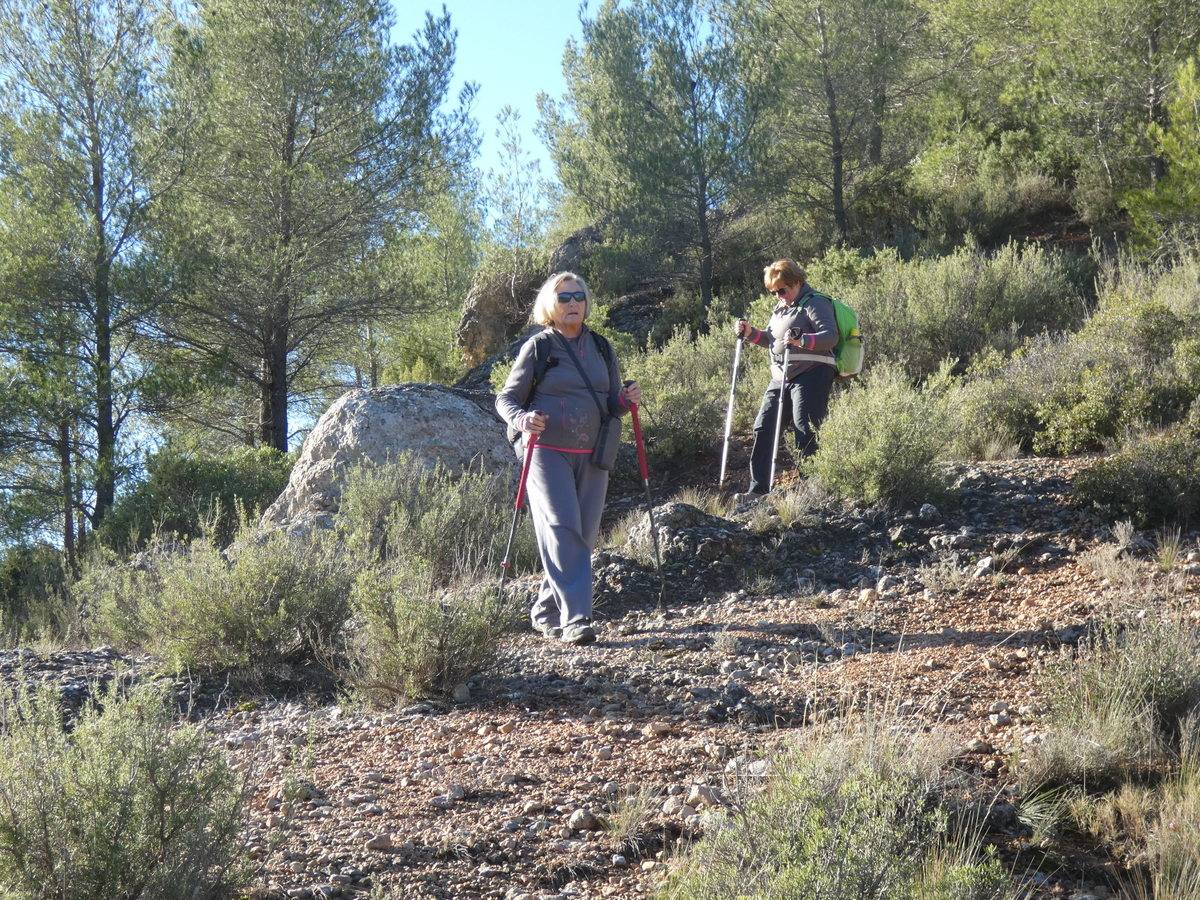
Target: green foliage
x=686 y=384
x=1154 y=479
x=1113 y=708
x=33 y=601
x=882 y=439
x=188 y=494
x=286 y=261
x=124 y=803
x=921 y=312
x=866 y=797
x=429 y=520
x=1171 y=207
x=419 y=638
x=662 y=120
x=428 y=544
x=280 y=600
x=978 y=188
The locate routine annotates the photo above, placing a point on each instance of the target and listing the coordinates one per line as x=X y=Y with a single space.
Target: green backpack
x=848 y=352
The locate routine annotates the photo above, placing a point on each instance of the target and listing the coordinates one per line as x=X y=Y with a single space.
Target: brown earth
x=513 y=792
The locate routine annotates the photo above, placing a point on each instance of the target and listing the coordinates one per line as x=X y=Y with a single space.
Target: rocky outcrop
x=498 y=304
x=636 y=313
x=569 y=256
x=435 y=423
x=689 y=537
x=480 y=377
x=497 y=307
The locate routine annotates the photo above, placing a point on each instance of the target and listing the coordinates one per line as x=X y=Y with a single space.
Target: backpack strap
x=542 y=363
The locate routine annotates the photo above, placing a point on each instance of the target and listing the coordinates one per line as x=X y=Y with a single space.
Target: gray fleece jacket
x=813 y=315
x=573 y=420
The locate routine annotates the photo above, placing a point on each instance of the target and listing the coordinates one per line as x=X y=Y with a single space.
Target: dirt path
x=515 y=793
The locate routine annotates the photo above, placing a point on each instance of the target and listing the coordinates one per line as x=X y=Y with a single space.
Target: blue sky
x=512 y=50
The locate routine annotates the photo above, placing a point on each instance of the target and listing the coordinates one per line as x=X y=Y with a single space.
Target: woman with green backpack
x=805 y=322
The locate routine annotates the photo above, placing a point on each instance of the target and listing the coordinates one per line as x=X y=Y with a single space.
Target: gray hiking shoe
x=545 y=629
x=579 y=633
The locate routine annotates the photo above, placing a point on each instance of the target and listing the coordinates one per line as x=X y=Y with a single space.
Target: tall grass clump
x=123 y=804
x=882 y=439
x=428 y=543
x=1116 y=708
x=277 y=601
x=421 y=639
x=429 y=516
x=853 y=812
x=1154 y=479
x=34 y=601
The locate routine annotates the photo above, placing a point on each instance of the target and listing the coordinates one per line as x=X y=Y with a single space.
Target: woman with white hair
x=565 y=387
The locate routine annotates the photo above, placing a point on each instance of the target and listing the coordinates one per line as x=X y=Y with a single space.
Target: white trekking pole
x=737 y=359
x=779 y=415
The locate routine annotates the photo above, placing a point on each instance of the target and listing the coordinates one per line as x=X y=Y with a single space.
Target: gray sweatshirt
x=573 y=420
x=813 y=315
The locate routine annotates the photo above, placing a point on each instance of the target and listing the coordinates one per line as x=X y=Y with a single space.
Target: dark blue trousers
x=807 y=399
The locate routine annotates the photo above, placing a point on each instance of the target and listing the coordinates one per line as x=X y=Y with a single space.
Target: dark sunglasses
x=778 y=292
x=568 y=296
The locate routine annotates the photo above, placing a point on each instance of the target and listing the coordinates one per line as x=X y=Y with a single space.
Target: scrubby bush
x=33 y=598
x=278 y=600
x=430 y=518
x=1135 y=362
x=686 y=384
x=1114 y=709
x=186 y=494
x=419 y=638
x=849 y=814
x=921 y=312
x=123 y=804
x=882 y=439
x=1154 y=479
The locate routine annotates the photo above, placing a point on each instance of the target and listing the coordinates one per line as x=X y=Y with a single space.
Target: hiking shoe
x=545 y=629
x=579 y=633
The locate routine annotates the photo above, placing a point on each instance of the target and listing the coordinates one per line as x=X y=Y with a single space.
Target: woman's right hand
x=534 y=422
x=741 y=327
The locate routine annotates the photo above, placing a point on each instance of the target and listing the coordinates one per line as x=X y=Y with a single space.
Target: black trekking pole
x=787 y=348
x=645 y=472
x=737 y=359
x=506 y=565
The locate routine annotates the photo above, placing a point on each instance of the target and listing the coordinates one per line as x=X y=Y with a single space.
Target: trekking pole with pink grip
x=506 y=565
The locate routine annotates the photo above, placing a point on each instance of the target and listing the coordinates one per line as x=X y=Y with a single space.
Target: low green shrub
x=430 y=518
x=1154 y=479
x=882 y=439
x=1135 y=362
x=923 y=311
x=124 y=803
x=186 y=494
x=34 y=602
x=279 y=600
x=419 y=638
x=849 y=814
x=1116 y=707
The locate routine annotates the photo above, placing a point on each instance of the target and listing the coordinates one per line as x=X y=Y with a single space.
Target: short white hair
x=547 y=297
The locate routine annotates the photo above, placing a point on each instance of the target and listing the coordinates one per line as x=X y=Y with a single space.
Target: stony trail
x=579 y=772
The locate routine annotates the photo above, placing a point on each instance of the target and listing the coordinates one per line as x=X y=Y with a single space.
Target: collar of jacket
x=801 y=299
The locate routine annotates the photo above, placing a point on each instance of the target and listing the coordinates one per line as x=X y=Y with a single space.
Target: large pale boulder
x=435 y=423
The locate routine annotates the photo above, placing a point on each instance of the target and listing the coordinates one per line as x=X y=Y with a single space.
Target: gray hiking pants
x=566 y=498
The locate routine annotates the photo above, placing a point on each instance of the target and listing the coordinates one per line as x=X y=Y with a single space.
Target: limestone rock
x=435 y=423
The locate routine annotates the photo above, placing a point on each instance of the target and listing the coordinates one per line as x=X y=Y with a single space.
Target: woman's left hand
x=632 y=393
